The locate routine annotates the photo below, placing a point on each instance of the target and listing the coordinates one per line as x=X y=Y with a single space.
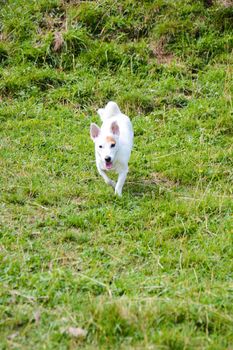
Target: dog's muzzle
x=108 y=163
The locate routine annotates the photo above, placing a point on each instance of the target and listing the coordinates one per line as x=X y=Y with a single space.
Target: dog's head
x=106 y=145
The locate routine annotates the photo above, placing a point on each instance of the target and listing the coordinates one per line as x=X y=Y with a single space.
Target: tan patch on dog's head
x=110 y=139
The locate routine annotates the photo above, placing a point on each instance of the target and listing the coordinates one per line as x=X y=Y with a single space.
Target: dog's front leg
x=106 y=178
x=120 y=182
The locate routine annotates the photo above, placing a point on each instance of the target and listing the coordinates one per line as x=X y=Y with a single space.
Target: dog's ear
x=115 y=128
x=94 y=131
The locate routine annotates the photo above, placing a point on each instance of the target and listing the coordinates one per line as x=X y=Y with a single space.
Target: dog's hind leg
x=106 y=178
x=120 y=182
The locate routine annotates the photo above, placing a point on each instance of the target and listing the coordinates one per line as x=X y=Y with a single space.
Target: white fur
x=118 y=126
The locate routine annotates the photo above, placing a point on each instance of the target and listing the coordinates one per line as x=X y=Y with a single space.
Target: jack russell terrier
x=113 y=144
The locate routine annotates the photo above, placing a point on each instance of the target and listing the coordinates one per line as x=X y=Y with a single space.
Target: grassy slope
x=152 y=270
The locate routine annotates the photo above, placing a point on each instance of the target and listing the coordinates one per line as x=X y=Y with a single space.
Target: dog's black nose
x=108 y=159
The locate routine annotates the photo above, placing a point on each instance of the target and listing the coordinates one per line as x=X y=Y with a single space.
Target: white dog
x=113 y=144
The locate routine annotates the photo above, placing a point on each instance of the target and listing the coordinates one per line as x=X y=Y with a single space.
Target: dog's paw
x=118 y=192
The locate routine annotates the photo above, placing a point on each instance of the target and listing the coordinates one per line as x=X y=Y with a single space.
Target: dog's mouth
x=108 y=165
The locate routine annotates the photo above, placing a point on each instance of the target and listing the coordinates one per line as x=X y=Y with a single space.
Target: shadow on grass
x=155 y=185
x=140 y=188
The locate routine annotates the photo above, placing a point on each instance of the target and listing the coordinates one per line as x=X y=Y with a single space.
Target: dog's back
x=110 y=110
x=112 y=113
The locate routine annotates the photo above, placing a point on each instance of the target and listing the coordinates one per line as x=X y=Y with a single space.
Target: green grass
x=150 y=270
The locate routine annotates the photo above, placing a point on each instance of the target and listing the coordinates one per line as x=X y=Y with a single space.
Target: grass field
x=81 y=268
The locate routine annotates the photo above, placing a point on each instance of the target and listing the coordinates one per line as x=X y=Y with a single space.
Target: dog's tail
x=110 y=110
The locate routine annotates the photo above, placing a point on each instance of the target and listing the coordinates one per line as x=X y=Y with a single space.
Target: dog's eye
x=100 y=146
x=113 y=145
